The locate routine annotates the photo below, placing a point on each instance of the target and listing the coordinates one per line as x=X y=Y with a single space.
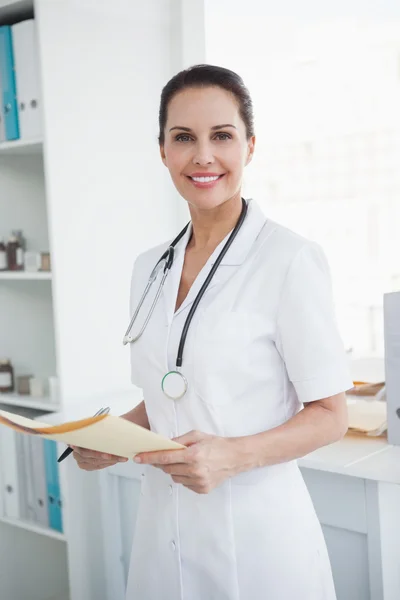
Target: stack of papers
x=367 y=416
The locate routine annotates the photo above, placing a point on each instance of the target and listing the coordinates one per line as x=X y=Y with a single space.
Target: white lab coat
x=263 y=340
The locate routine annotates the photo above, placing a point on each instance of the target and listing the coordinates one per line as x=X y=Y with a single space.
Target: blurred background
x=325 y=79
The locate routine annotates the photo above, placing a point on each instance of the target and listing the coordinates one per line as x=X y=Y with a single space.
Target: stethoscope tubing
x=168 y=256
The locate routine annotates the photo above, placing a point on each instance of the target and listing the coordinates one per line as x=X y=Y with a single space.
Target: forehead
x=203 y=106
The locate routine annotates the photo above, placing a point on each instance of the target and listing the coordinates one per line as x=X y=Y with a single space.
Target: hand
x=203 y=465
x=90 y=460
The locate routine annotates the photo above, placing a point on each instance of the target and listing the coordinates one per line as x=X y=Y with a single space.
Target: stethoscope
x=174 y=384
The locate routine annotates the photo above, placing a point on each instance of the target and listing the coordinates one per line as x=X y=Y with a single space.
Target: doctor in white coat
x=229 y=517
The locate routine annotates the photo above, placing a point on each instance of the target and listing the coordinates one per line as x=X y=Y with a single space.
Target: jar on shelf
x=18 y=233
x=15 y=254
x=6 y=376
x=3 y=256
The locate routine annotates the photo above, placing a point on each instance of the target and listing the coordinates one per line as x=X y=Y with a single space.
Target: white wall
x=109 y=196
x=326 y=90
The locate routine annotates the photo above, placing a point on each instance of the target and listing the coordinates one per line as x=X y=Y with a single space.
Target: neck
x=210 y=227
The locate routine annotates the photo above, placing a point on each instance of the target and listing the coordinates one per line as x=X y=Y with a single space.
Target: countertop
x=355 y=455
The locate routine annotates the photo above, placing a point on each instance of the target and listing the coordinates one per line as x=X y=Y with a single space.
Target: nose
x=203 y=154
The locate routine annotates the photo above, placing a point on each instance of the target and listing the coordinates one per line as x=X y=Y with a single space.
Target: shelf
x=29 y=402
x=26 y=275
x=30 y=526
x=21 y=147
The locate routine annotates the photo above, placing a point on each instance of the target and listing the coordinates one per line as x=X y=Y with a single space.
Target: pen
x=69 y=450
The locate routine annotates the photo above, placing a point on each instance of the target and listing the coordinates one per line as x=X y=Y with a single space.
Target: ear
x=250 y=149
x=162 y=154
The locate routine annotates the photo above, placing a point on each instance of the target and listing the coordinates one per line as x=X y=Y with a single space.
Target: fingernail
x=137 y=459
x=123 y=459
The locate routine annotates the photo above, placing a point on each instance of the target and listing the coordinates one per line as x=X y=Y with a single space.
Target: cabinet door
x=348 y=552
x=343 y=508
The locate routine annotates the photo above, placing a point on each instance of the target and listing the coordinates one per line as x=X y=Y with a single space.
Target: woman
x=229 y=517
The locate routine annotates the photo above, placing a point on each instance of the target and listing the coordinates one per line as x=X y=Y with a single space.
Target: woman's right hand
x=90 y=460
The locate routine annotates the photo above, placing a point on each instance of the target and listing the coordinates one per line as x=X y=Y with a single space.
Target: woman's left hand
x=203 y=465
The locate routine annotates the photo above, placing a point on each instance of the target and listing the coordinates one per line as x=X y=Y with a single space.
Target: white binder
x=27 y=476
x=27 y=77
x=17 y=490
x=10 y=454
x=37 y=466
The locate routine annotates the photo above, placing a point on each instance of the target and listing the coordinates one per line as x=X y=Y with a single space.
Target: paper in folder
x=104 y=433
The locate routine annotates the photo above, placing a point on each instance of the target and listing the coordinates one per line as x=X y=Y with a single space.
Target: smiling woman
x=207 y=135
x=245 y=319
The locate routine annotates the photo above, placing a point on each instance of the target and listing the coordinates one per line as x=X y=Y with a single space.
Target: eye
x=223 y=136
x=183 y=137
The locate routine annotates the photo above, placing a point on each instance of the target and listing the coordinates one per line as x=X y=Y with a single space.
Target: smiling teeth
x=205 y=179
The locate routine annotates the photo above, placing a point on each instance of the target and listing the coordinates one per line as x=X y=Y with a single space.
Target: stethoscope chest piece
x=174 y=385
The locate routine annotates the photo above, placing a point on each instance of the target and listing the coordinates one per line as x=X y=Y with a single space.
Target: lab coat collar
x=241 y=246
x=235 y=256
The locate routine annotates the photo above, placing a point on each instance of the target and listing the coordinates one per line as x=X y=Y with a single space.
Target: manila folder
x=104 y=433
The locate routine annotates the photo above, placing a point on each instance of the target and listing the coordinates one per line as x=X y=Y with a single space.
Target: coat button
x=173 y=545
x=170 y=490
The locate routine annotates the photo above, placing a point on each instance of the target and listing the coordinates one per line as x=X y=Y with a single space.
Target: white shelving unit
x=93 y=192
x=29 y=402
x=28 y=526
x=21 y=147
x=28 y=338
x=25 y=275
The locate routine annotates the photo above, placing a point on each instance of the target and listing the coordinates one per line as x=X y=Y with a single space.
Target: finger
x=96 y=464
x=94 y=454
x=187 y=481
x=161 y=457
x=86 y=453
x=178 y=469
x=189 y=438
x=194 y=489
x=95 y=461
x=88 y=466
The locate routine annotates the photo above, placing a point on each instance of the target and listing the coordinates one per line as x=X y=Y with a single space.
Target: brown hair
x=208 y=76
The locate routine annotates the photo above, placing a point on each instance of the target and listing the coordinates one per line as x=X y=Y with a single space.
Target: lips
x=205 y=178
x=205 y=181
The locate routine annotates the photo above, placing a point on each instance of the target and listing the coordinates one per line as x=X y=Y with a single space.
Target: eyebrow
x=212 y=128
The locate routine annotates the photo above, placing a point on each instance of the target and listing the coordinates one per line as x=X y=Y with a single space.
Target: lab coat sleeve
x=308 y=337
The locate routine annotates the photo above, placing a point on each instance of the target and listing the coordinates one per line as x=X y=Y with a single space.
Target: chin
x=205 y=203
x=206 y=200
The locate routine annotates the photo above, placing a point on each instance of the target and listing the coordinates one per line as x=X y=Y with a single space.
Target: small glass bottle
x=18 y=233
x=15 y=255
x=3 y=256
x=6 y=377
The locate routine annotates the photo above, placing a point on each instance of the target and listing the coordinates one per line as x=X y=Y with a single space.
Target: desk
x=354 y=484
x=355 y=487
